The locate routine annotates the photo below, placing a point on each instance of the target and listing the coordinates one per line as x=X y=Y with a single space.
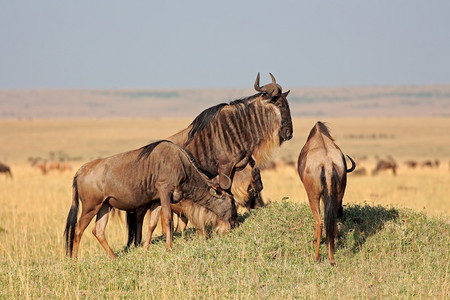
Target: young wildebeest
x=233 y=140
x=323 y=171
x=199 y=216
x=5 y=169
x=160 y=171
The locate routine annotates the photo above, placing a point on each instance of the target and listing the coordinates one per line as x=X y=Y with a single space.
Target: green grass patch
x=382 y=252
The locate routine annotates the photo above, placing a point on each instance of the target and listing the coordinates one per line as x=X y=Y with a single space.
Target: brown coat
x=160 y=171
x=323 y=171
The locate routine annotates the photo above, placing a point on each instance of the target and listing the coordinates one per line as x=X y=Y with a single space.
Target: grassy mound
x=381 y=252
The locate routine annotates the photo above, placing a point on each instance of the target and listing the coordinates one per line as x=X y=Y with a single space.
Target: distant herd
x=206 y=171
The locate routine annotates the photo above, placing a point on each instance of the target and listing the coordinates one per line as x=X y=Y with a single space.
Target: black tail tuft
x=69 y=232
x=330 y=202
x=132 y=228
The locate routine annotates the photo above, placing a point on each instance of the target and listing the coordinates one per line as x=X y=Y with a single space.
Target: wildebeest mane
x=206 y=116
x=323 y=129
x=148 y=149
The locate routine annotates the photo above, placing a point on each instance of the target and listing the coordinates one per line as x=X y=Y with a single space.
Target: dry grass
x=363 y=139
x=34 y=208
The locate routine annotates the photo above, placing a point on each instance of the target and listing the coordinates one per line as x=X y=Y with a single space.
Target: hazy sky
x=209 y=44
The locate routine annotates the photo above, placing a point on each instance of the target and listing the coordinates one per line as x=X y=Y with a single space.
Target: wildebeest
x=323 y=171
x=388 y=164
x=159 y=171
x=360 y=172
x=47 y=166
x=199 y=216
x=231 y=141
x=5 y=169
x=430 y=164
x=224 y=138
x=411 y=164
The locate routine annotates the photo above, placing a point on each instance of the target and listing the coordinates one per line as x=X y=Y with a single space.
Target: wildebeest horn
x=272 y=89
x=273 y=78
x=257 y=87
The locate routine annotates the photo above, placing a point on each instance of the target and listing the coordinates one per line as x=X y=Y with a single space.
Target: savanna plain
x=394 y=237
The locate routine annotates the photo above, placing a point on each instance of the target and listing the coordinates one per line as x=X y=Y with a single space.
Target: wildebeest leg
x=85 y=218
x=154 y=217
x=314 y=204
x=255 y=189
x=258 y=201
x=182 y=222
x=166 y=219
x=140 y=214
x=99 y=228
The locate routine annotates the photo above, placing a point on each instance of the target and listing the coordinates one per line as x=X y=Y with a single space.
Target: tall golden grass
x=364 y=139
x=34 y=207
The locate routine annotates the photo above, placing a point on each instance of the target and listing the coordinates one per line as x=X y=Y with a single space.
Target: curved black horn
x=273 y=78
x=257 y=87
x=353 y=165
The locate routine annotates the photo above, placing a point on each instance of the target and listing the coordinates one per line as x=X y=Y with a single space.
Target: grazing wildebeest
x=38 y=163
x=233 y=140
x=159 y=171
x=361 y=171
x=323 y=171
x=388 y=164
x=5 y=169
x=411 y=164
x=430 y=164
x=200 y=217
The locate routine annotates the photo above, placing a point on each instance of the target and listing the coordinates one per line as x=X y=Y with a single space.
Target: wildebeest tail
x=352 y=168
x=330 y=202
x=132 y=229
x=69 y=232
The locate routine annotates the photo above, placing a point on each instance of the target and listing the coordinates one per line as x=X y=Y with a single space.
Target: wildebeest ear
x=276 y=98
x=224 y=182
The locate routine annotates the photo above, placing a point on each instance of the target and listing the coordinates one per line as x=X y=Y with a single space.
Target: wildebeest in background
x=412 y=164
x=5 y=169
x=233 y=140
x=323 y=171
x=385 y=164
x=159 y=171
x=430 y=164
x=38 y=163
x=360 y=171
x=46 y=166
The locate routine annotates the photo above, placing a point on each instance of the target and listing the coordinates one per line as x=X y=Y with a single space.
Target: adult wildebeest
x=411 y=164
x=5 y=169
x=160 y=171
x=388 y=164
x=225 y=137
x=231 y=141
x=430 y=164
x=323 y=171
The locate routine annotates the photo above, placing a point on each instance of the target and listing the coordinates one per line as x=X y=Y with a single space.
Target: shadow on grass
x=363 y=221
